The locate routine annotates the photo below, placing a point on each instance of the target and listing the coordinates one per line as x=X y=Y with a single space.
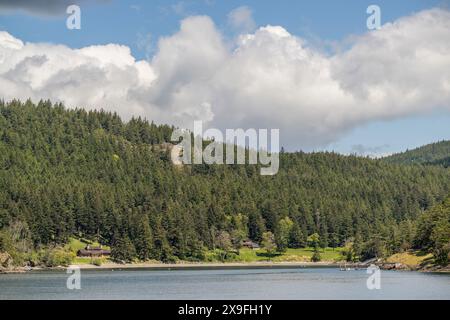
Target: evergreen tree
x=283 y=231
x=296 y=237
x=123 y=250
x=316 y=255
x=268 y=242
x=87 y=174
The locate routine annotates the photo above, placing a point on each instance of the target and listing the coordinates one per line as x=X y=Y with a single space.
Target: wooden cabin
x=93 y=252
x=250 y=244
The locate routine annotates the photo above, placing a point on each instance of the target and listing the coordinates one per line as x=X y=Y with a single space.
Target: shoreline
x=208 y=266
x=187 y=266
x=152 y=266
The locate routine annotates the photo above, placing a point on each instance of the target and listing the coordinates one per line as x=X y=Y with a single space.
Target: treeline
x=437 y=153
x=433 y=232
x=77 y=173
x=429 y=234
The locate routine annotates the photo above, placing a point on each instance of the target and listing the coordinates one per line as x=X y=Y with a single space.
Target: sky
x=310 y=68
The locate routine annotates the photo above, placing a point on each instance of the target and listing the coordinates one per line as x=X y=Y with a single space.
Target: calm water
x=317 y=283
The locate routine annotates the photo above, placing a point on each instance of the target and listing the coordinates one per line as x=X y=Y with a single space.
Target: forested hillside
x=431 y=154
x=76 y=173
x=433 y=231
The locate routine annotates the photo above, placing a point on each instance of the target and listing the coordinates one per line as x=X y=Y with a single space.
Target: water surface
x=301 y=283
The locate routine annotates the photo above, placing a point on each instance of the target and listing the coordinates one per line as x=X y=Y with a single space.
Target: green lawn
x=76 y=244
x=245 y=255
x=82 y=260
x=410 y=258
x=291 y=255
x=305 y=254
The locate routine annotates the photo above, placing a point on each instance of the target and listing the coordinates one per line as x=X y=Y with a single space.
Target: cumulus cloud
x=93 y=77
x=269 y=79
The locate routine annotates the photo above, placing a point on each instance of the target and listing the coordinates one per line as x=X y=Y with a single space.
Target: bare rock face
x=393 y=266
x=5 y=261
x=400 y=266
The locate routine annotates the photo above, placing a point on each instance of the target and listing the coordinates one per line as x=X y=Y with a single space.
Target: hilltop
x=431 y=154
x=87 y=174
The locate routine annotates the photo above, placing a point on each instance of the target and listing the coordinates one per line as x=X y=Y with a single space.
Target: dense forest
x=88 y=174
x=431 y=154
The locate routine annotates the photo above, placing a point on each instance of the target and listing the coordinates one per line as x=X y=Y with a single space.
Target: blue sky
x=124 y=22
x=139 y=25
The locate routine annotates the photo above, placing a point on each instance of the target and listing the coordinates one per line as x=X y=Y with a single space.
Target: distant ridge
x=437 y=153
x=77 y=174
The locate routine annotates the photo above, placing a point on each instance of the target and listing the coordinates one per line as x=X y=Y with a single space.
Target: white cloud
x=241 y=19
x=402 y=69
x=372 y=152
x=145 y=44
x=270 y=79
x=93 y=77
x=180 y=8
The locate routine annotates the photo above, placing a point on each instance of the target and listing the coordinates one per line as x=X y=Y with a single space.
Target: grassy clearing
x=291 y=255
x=410 y=258
x=74 y=245
x=245 y=255
x=89 y=260
x=305 y=254
x=82 y=260
x=77 y=244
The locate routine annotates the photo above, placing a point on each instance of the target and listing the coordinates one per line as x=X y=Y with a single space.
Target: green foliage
x=142 y=235
x=219 y=255
x=433 y=232
x=316 y=256
x=296 y=237
x=15 y=243
x=351 y=251
x=5 y=242
x=282 y=235
x=431 y=154
x=237 y=236
x=268 y=242
x=375 y=247
x=256 y=227
x=223 y=241
x=54 y=257
x=87 y=174
x=313 y=240
x=441 y=239
x=123 y=250
x=97 y=262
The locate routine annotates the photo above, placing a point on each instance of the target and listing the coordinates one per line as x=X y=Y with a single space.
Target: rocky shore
x=383 y=265
x=184 y=266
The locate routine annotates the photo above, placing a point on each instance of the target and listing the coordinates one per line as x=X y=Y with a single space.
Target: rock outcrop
x=393 y=266
x=5 y=261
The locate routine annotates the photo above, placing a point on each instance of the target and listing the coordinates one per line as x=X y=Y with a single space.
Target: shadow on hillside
x=268 y=255
x=421 y=253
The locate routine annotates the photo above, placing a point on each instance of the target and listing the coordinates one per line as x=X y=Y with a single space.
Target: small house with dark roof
x=250 y=244
x=93 y=252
